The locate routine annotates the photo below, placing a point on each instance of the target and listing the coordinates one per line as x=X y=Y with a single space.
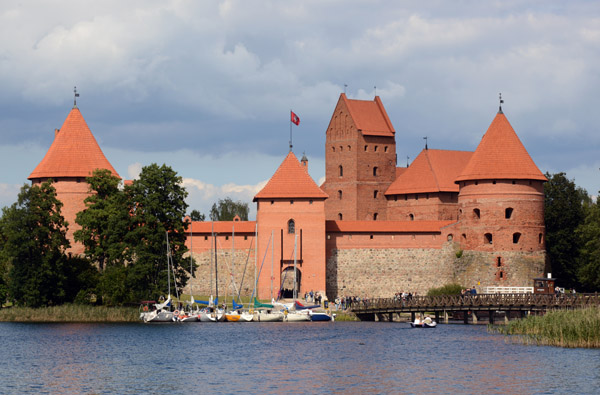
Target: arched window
x=450 y=237
x=340 y=194
x=476 y=213
x=508 y=212
x=375 y=170
x=375 y=148
x=375 y=194
x=540 y=238
x=499 y=261
x=333 y=149
x=375 y=216
x=291 y=226
x=341 y=171
x=488 y=238
x=411 y=217
x=340 y=217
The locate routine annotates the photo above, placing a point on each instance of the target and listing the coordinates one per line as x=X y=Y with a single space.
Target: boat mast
x=168 y=265
x=295 y=295
x=272 y=263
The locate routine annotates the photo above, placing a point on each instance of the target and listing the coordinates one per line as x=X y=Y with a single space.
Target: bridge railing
x=481 y=301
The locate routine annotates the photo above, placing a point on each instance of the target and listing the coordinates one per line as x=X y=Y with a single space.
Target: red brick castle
x=372 y=229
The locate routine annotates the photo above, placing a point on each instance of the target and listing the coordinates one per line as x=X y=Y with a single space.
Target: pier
x=468 y=307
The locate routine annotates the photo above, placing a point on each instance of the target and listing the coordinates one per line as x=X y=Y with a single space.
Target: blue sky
x=206 y=86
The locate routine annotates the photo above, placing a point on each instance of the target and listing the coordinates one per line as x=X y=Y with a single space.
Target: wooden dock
x=468 y=307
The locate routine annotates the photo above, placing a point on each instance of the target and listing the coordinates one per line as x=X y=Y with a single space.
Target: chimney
x=304 y=161
x=56 y=132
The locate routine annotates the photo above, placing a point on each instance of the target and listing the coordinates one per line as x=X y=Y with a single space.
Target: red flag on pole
x=295 y=119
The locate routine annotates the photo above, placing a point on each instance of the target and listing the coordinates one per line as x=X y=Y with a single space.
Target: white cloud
x=134 y=170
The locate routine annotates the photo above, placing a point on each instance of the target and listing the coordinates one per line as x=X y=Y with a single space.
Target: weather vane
x=407 y=158
x=501 y=101
x=345 y=86
x=425 y=138
x=75 y=96
x=375 y=87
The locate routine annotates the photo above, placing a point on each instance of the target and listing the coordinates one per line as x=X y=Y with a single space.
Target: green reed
x=70 y=313
x=562 y=328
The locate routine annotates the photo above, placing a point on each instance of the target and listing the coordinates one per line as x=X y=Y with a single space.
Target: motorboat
x=320 y=316
x=296 y=316
x=267 y=315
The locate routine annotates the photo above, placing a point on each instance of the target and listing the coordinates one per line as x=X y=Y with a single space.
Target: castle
x=372 y=228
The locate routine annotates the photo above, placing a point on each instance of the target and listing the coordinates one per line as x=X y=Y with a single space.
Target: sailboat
x=162 y=311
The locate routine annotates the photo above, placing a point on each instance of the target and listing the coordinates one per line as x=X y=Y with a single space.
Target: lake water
x=273 y=358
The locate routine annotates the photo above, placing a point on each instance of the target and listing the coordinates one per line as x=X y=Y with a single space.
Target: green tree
x=564 y=212
x=157 y=205
x=196 y=215
x=589 y=259
x=34 y=233
x=226 y=209
x=105 y=221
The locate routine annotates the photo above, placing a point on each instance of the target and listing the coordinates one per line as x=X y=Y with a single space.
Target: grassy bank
x=70 y=313
x=562 y=328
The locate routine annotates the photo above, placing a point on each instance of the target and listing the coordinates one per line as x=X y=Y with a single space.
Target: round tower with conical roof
x=501 y=208
x=73 y=156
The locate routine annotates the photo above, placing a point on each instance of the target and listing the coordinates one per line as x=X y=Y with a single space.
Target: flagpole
x=290 y=130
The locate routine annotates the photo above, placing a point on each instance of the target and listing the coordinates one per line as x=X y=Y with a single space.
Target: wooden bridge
x=469 y=307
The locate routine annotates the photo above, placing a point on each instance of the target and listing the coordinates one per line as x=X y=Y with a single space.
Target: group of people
x=403 y=296
x=468 y=291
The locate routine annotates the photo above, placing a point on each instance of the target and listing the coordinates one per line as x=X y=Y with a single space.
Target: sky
x=206 y=87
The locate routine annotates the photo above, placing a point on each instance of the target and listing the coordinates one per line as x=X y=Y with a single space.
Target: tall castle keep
x=372 y=228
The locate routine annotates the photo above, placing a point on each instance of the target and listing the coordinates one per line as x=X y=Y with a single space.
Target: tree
x=157 y=205
x=105 y=222
x=563 y=214
x=589 y=260
x=34 y=233
x=196 y=215
x=226 y=209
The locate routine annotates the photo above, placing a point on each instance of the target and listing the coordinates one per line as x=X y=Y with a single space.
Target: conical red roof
x=73 y=153
x=500 y=155
x=369 y=116
x=291 y=180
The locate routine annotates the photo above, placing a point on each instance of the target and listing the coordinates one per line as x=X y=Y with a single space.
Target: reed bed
x=70 y=313
x=562 y=328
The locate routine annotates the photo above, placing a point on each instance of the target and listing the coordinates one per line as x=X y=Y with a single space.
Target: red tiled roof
x=370 y=117
x=291 y=180
x=432 y=171
x=73 y=153
x=222 y=227
x=400 y=171
x=500 y=155
x=385 y=226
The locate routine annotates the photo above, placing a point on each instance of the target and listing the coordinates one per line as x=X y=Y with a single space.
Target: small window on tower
x=375 y=171
x=366 y=148
x=516 y=237
x=385 y=148
x=508 y=213
x=411 y=217
x=340 y=217
x=476 y=213
x=291 y=226
x=341 y=171
x=333 y=149
x=488 y=238
x=375 y=194
x=340 y=194
x=349 y=148
x=375 y=216
x=375 y=148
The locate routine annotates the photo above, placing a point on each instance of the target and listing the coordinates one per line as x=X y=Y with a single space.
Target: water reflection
x=271 y=358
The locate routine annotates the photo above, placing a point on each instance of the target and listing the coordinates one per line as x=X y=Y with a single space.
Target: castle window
x=375 y=148
x=385 y=148
x=450 y=237
x=205 y=237
x=476 y=182
x=464 y=237
x=349 y=148
x=291 y=226
x=540 y=238
x=375 y=217
x=427 y=196
x=375 y=193
x=411 y=217
x=514 y=182
x=476 y=213
x=516 y=237
x=395 y=198
x=366 y=148
x=371 y=237
x=508 y=212
x=245 y=237
x=310 y=201
x=226 y=237
x=340 y=194
x=488 y=238
x=375 y=170
x=341 y=148
x=405 y=197
x=333 y=149
x=341 y=171
x=416 y=196
x=272 y=201
x=500 y=275
x=494 y=182
x=340 y=216
x=499 y=261
x=291 y=202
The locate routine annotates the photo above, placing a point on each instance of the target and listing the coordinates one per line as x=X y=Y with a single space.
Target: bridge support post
x=466 y=317
x=474 y=317
x=491 y=313
x=391 y=317
x=412 y=316
x=445 y=316
x=506 y=316
x=437 y=316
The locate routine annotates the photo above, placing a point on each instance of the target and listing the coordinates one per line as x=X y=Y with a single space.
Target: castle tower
x=290 y=212
x=501 y=204
x=73 y=156
x=360 y=160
